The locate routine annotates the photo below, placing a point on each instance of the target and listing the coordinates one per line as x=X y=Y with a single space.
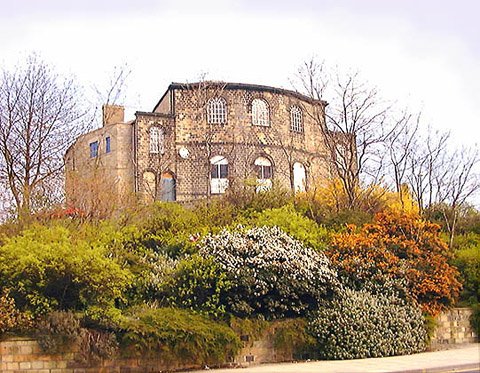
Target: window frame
x=261 y=169
x=108 y=144
x=156 y=140
x=218 y=174
x=93 y=149
x=260 y=112
x=296 y=119
x=217 y=110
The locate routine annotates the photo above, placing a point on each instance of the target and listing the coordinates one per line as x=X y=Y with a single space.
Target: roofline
x=161 y=98
x=245 y=86
x=162 y=115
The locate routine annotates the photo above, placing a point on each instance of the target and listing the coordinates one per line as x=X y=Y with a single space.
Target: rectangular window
x=215 y=171
x=264 y=172
x=107 y=144
x=219 y=171
x=223 y=171
x=94 y=149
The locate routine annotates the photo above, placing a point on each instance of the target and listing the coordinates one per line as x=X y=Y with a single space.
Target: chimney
x=113 y=114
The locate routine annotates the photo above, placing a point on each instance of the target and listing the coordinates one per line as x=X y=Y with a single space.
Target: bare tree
x=456 y=182
x=400 y=146
x=426 y=166
x=39 y=118
x=114 y=93
x=357 y=124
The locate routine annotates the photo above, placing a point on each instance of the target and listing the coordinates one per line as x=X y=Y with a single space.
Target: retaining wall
x=23 y=355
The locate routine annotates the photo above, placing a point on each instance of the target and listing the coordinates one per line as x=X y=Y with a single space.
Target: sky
x=423 y=54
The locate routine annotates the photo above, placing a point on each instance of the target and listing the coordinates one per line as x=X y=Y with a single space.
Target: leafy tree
x=10 y=316
x=398 y=247
x=467 y=260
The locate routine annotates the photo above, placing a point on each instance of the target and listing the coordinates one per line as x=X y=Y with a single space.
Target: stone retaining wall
x=23 y=355
x=453 y=328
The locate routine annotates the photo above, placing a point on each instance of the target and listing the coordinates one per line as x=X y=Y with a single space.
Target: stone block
x=8 y=357
x=12 y=366
x=37 y=364
x=25 y=365
x=26 y=349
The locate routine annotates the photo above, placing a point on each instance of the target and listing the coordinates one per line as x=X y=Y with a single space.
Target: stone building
x=201 y=139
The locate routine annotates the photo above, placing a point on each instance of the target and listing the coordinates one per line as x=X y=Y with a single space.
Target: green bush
x=179 y=336
x=360 y=325
x=293 y=223
x=272 y=274
x=467 y=260
x=47 y=268
x=169 y=228
x=198 y=284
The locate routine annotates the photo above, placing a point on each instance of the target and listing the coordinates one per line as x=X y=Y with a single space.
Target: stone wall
x=21 y=355
x=453 y=328
x=182 y=116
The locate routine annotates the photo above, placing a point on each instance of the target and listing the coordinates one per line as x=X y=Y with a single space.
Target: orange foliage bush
x=403 y=247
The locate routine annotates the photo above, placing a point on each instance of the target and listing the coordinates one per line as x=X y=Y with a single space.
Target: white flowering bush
x=358 y=324
x=271 y=273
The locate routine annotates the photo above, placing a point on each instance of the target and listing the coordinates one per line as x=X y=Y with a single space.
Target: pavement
x=459 y=360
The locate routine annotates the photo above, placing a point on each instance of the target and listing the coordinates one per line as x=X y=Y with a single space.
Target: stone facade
x=208 y=136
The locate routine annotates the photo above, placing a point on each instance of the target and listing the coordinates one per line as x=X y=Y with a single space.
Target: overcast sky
x=421 y=53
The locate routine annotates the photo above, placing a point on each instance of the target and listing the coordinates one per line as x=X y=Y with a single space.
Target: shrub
x=467 y=260
x=398 y=247
x=168 y=228
x=361 y=325
x=47 y=269
x=271 y=273
x=198 y=284
x=60 y=332
x=243 y=196
x=292 y=338
x=179 y=336
x=11 y=319
x=293 y=223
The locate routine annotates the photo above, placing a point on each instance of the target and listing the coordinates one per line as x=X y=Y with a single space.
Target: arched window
x=296 y=119
x=217 y=111
x=299 y=177
x=218 y=175
x=263 y=167
x=157 y=139
x=260 y=115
